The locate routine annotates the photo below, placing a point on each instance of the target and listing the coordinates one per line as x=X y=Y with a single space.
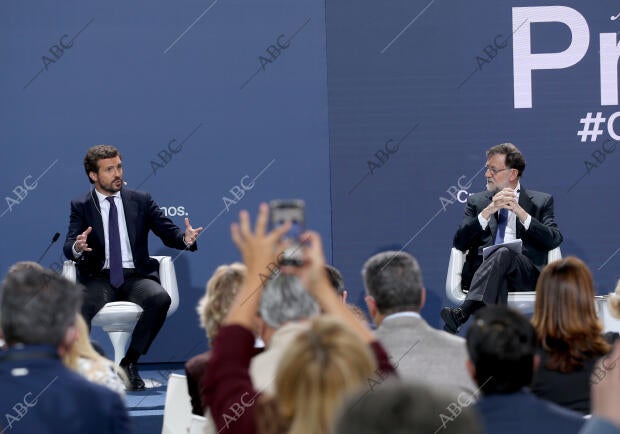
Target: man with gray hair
x=284 y=306
x=39 y=394
x=395 y=296
x=21 y=265
x=505 y=213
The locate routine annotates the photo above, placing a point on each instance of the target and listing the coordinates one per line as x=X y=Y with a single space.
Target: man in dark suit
x=503 y=213
x=108 y=240
x=501 y=344
x=40 y=394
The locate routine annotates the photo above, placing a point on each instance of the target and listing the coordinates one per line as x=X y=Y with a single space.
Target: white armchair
x=522 y=301
x=178 y=406
x=178 y=417
x=610 y=323
x=119 y=318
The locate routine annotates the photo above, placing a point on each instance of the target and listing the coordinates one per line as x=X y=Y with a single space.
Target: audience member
x=395 y=297
x=359 y=314
x=39 y=394
x=25 y=266
x=502 y=350
x=337 y=281
x=396 y=408
x=284 y=307
x=315 y=373
x=569 y=333
x=21 y=265
x=330 y=359
x=212 y=308
x=335 y=278
x=605 y=398
x=83 y=359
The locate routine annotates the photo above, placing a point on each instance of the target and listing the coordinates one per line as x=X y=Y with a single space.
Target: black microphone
x=54 y=239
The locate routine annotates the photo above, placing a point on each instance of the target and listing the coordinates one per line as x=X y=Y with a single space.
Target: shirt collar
x=102 y=197
x=408 y=314
x=517 y=191
x=48 y=350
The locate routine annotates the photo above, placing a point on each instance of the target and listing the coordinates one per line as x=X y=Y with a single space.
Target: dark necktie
x=114 y=244
x=502 y=222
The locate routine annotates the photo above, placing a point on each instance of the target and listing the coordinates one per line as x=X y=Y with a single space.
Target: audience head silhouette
x=221 y=290
x=38 y=307
x=501 y=344
x=565 y=317
x=393 y=282
x=317 y=370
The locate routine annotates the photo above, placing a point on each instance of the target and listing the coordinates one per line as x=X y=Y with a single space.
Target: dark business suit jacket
x=40 y=395
x=141 y=216
x=523 y=413
x=543 y=234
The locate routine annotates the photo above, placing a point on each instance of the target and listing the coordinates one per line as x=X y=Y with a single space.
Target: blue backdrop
x=195 y=94
x=418 y=90
x=376 y=113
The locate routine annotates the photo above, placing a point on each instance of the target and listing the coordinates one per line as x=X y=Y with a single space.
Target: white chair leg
x=119 y=342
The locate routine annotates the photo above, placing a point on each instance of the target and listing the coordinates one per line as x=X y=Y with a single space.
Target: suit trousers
x=145 y=292
x=504 y=270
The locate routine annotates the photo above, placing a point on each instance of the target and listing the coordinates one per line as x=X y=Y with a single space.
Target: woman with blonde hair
x=221 y=290
x=212 y=309
x=86 y=361
x=318 y=369
x=570 y=334
x=334 y=356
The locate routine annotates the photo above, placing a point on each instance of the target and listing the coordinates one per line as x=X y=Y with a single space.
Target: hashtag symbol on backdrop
x=593 y=132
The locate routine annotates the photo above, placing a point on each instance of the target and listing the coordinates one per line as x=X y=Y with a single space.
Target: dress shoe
x=134 y=382
x=453 y=318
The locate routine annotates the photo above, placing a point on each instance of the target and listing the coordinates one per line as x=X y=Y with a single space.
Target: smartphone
x=289 y=210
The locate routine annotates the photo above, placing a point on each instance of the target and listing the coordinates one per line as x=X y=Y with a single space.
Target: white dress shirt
x=408 y=313
x=104 y=210
x=511 y=227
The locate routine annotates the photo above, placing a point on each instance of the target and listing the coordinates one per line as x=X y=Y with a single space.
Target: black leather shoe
x=453 y=318
x=134 y=381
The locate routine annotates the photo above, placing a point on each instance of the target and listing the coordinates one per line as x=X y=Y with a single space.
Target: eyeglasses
x=496 y=171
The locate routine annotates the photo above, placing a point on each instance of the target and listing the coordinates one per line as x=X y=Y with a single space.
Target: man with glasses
x=504 y=213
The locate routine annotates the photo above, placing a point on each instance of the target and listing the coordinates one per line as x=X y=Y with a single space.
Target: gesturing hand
x=81 y=244
x=191 y=234
x=257 y=248
x=312 y=272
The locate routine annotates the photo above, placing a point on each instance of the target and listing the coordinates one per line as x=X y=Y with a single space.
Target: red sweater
x=228 y=391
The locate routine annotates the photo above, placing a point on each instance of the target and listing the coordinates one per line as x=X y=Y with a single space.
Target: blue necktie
x=114 y=244
x=502 y=221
